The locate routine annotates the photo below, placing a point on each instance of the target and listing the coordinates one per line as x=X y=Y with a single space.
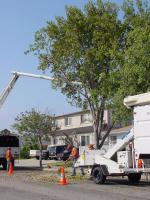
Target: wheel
x=37 y=157
x=59 y=158
x=134 y=178
x=98 y=176
x=46 y=158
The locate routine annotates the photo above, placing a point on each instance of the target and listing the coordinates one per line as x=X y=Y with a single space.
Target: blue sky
x=19 y=20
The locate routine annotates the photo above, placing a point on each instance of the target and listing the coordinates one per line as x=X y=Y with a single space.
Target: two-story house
x=78 y=126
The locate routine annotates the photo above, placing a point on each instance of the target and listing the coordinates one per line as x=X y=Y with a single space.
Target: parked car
x=45 y=154
x=36 y=154
x=56 y=151
x=64 y=155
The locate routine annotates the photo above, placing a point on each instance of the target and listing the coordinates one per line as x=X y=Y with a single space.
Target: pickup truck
x=36 y=154
x=57 y=152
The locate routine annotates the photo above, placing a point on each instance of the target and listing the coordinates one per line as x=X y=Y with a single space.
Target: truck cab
x=8 y=139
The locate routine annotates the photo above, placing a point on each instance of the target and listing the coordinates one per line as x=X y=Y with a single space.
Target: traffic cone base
x=63 y=180
x=10 y=172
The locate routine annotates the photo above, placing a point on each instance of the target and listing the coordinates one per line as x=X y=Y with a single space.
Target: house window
x=85 y=118
x=68 y=121
x=56 y=141
x=85 y=140
x=57 y=124
x=113 y=139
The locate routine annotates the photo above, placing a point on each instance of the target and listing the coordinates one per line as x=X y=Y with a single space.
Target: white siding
x=76 y=121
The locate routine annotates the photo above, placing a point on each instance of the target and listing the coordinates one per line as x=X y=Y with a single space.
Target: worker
x=8 y=157
x=74 y=156
x=91 y=147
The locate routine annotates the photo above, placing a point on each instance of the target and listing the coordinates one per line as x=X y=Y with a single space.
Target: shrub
x=24 y=153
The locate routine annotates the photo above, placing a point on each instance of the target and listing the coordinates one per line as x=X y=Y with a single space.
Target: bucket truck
x=120 y=160
x=8 y=139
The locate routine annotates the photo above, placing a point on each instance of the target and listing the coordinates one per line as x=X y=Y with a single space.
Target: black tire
x=37 y=157
x=59 y=158
x=134 y=178
x=46 y=158
x=98 y=176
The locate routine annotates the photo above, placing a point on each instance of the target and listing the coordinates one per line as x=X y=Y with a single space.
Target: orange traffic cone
x=62 y=177
x=10 y=172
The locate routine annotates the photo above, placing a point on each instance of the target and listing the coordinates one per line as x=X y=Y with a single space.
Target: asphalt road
x=14 y=188
x=21 y=186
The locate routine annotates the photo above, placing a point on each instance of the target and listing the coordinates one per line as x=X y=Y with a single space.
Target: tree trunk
x=40 y=156
x=96 y=136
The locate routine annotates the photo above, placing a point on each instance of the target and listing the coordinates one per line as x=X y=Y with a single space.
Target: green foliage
x=136 y=71
x=24 y=153
x=34 y=126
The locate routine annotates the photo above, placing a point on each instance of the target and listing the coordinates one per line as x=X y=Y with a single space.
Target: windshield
x=52 y=149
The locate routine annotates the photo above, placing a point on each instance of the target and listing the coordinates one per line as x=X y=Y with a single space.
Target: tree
x=135 y=54
x=83 y=47
x=35 y=125
x=137 y=49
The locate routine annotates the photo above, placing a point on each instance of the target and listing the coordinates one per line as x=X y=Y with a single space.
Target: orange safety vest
x=74 y=153
x=8 y=155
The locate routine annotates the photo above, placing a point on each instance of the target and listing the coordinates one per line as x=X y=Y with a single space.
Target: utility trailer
x=129 y=157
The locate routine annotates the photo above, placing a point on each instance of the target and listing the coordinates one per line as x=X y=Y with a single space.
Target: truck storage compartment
x=142 y=129
x=9 y=141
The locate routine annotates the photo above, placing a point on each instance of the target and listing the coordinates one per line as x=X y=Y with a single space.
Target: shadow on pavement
x=124 y=181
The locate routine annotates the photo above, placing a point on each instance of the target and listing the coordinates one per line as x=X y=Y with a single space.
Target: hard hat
x=91 y=146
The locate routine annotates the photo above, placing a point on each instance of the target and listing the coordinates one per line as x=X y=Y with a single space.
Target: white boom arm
x=33 y=75
x=8 y=88
x=42 y=77
x=120 y=145
x=15 y=77
x=12 y=82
